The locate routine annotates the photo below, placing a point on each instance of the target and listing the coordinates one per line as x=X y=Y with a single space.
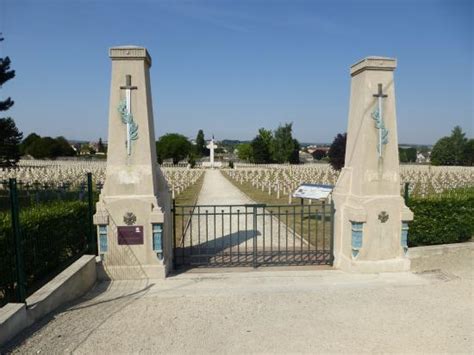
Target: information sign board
x=313 y=191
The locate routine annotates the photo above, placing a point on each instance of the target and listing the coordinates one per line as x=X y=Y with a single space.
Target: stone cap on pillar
x=130 y=53
x=374 y=63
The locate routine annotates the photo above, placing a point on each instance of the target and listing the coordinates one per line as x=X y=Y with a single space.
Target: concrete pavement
x=271 y=311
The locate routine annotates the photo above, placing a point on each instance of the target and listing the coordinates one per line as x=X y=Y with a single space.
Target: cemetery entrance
x=253 y=235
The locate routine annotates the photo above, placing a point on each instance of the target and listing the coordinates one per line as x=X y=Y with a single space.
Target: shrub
x=446 y=218
x=53 y=235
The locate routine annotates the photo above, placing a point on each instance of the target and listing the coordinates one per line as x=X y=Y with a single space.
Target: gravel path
x=302 y=311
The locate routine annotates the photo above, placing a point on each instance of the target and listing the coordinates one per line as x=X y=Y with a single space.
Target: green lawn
x=187 y=198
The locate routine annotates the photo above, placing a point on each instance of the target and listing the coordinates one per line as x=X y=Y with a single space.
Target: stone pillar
x=371 y=215
x=133 y=213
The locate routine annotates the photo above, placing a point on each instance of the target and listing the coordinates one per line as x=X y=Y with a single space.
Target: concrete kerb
x=70 y=284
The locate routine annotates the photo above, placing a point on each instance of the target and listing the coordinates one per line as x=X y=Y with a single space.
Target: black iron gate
x=253 y=235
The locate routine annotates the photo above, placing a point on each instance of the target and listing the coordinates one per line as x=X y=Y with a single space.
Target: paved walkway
x=231 y=230
x=270 y=311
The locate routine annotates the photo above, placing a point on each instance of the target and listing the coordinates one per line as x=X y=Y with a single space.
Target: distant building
x=423 y=158
x=312 y=148
x=305 y=157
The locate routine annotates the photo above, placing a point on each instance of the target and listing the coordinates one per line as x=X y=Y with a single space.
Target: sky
x=231 y=67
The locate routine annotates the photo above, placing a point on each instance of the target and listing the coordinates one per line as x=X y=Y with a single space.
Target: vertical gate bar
x=271 y=236
x=279 y=234
x=215 y=235
x=263 y=236
x=294 y=233
x=302 y=230
x=286 y=245
x=173 y=211
x=183 y=237
x=230 y=233
x=316 y=233
x=331 y=256
x=254 y=262
x=324 y=228
x=182 y=234
x=222 y=236
x=246 y=234
x=20 y=271
x=238 y=236
x=199 y=231
x=207 y=235
x=190 y=235
x=309 y=232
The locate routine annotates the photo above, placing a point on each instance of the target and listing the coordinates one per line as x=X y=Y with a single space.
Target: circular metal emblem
x=383 y=216
x=129 y=218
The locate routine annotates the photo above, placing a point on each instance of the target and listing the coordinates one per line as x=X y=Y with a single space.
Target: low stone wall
x=70 y=284
x=442 y=249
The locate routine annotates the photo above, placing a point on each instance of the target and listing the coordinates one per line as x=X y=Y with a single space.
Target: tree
x=458 y=144
x=63 y=148
x=337 y=151
x=5 y=74
x=411 y=155
x=10 y=136
x=45 y=147
x=262 y=147
x=267 y=138
x=27 y=142
x=442 y=153
x=201 y=149
x=469 y=153
x=100 y=146
x=450 y=150
x=319 y=154
x=244 y=152
x=192 y=160
x=174 y=146
x=295 y=154
x=283 y=143
x=407 y=155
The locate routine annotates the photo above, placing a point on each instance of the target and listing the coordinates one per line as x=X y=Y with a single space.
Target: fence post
x=19 y=266
x=92 y=244
x=406 y=194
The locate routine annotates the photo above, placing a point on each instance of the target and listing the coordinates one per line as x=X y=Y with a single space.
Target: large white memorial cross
x=211 y=146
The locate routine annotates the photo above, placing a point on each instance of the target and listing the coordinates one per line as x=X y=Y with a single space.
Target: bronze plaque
x=130 y=235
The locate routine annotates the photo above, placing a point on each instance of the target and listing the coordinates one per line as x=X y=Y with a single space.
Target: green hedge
x=53 y=235
x=446 y=218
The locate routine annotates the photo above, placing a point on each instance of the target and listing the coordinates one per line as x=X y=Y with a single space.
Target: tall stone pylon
x=133 y=213
x=371 y=220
